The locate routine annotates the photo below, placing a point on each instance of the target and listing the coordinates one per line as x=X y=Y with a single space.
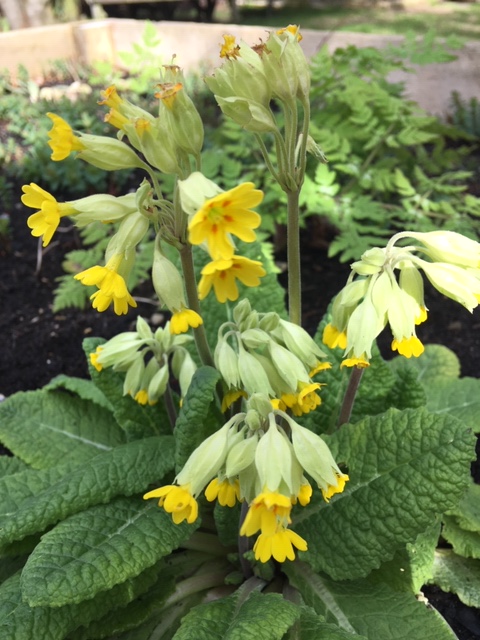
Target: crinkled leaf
x=411 y=566
x=407 y=392
x=226 y=521
x=20 y=621
x=136 y=420
x=467 y=512
x=455 y=574
x=459 y=398
x=436 y=362
x=405 y=468
x=311 y=626
x=131 y=616
x=43 y=427
x=10 y=465
x=192 y=426
x=259 y=617
x=465 y=543
x=35 y=500
x=83 y=388
x=96 y=549
x=371 y=610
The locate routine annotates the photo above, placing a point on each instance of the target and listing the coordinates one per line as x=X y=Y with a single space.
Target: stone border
x=197 y=45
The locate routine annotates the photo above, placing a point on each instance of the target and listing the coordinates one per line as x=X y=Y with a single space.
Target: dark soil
x=38 y=344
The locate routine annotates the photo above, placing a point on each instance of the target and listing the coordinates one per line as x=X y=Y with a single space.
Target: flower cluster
x=148 y=360
x=214 y=217
x=373 y=296
x=262 y=353
x=256 y=459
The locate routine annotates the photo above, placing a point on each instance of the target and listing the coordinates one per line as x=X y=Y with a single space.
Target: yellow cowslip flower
x=332 y=489
x=334 y=337
x=229 y=49
x=362 y=363
x=231 y=396
x=320 y=366
x=94 y=359
x=176 y=500
x=168 y=93
x=142 y=398
x=111 y=286
x=294 y=29
x=305 y=400
x=227 y=213
x=182 y=320
x=408 y=347
x=222 y=275
x=111 y=98
x=116 y=119
x=227 y=492
x=269 y=513
x=45 y=221
x=279 y=545
x=62 y=139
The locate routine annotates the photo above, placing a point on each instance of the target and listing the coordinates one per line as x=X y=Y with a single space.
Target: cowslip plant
x=281 y=497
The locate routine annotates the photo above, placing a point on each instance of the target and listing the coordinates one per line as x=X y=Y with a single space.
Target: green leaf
x=311 y=626
x=10 y=466
x=458 y=398
x=436 y=363
x=464 y=543
x=131 y=616
x=467 y=512
x=83 y=388
x=191 y=427
x=407 y=392
x=18 y=620
x=136 y=420
x=43 y=427
x=405 y=468
x=99 y=548
x=412 y=566
x=374 y=611
x=458 y=575
x=35 y=500
x=259 y=617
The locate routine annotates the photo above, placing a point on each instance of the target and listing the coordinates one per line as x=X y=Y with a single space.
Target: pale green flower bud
x=167 y=281
x=133 y=378
x=299 y=343
x=411 y=282
x=254 y=338
x=260 y=403
x=241 y=456
x=130 y=233
x=252 y=116
x=314 y=455
x=254 y=379
x=158 y=383
x=207 y=459
x=183 y=368
x=364 y=326
x=120 y=351
x=286 y=67
x=253 y=420
x=402 y=312
x=102 y=207
x=153 y=140
x=226 y=361
x=454 y=282
x=269 y=321
x=371 y=262
x=143 y=329
x=108 y=154
x=315 y=150
x=289 y=367
x=241 y=311
x=277 y=383
x=451 y=247
x=273 y=459
x=194 y=190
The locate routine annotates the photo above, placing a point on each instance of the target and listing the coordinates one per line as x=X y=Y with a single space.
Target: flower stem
x=244 y=545
x=293 y=258
x=186 y=256
x=349 y=397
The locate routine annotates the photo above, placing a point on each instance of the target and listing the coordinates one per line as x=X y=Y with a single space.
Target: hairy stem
x=186 y=256
x=293 y=258
x=349 y=397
